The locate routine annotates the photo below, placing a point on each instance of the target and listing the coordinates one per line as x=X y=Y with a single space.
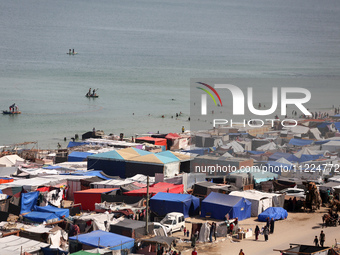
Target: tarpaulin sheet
x=303 y=158
x=40 y=216
x=74 y=144
x=300 y=142
x=78 y=156
x=217 y=205
x=277 y=213
x=60 y=212
x=278 y=155
x=28 y=201
x=163 y=203
x=155 y=188
x=103 y=239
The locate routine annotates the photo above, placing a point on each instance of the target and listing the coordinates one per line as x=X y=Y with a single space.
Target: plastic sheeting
x=60 y=212
x=277 y=213
x=163 y=203
x=300 y=142
x=155 y=188
x=217 y=205
x=102 y=239
x=41 y=216
x=28 y=201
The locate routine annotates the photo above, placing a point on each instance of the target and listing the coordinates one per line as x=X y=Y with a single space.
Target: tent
x=19 y=245
x=217 y=205
x=300 y=142
x=60 y=212
x=259 y=201
x=277 y=213
x=163 y=203
x=28 y=201
x=78 y=156
x=155 y=188
x=10 y=160
x=131 y=228
x=89 y=197
x=277 y=167
x=104 y=239
x=267 y=147
x=332 y=146
x=41 y=217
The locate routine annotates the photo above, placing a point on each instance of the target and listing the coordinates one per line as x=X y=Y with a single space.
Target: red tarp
x=155 y=188
x=89 y=197
x=172 y=136
x=155 y=141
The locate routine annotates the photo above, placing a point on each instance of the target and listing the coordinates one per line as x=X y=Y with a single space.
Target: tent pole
x=147 y=206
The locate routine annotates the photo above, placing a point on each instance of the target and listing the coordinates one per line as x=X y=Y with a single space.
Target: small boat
x=9 y=112
x=71 y=52
x=93 y=96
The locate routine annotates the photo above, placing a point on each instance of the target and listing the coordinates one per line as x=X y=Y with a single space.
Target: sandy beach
x=298 y=228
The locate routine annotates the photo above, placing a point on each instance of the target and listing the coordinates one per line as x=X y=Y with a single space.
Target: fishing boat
x=9 y=112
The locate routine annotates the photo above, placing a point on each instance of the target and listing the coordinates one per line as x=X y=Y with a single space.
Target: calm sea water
x=142 y=54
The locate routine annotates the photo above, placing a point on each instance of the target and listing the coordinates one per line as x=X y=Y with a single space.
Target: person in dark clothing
x=266 y=233
x=257 y=232
x=268 y=222
x=322 y=238
x=272 y=226
x=316 y=241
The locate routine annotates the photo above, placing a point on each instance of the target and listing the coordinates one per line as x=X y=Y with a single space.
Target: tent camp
x=277 y=213
x=101 y=239
x=163 y=203
x=217 y=205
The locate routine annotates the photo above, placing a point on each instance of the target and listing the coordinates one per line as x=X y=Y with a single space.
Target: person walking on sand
x=316 y=241
x=322 y=238
x=266 y=233
x=241 y=252
x=272 y=226
x=185 y=231
x=257 y=232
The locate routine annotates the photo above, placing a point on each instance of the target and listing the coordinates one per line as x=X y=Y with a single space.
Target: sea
x=140 y=56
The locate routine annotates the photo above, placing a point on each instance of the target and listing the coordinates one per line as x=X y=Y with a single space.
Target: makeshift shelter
x=218 y=205
x=131 y=228
x=11 y=161
x=101 y=239
x=300 y=142
x=78 y=156
x=277 y=167
x=277 y=213
x=89 y=197
x=41 y=217
x=267 y=147
x=28 y=201
x=60 y=212
x=163 y=203
x=332 y=146
x=259 y=201
x=156 y=141
x=155 y=188
x=19 y=245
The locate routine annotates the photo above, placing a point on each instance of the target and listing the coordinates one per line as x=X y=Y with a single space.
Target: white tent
x=235 y=146
x=331 y=146
x=11 y=160
x=284 y=161
x=267 y=147
x=15 y=245
x=306 y=151
x=299 y=130
x=259 y=202
x=316 y=133
x=110 y=184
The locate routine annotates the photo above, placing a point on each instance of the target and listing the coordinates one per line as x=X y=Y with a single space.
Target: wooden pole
x=147 y=206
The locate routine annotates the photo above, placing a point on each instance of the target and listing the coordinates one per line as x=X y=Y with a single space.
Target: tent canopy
x=300 y=142
x=41 y=216
x=163 y=203
x=28 y=201
x=102 y=239
x=60 y=212
x=218 y=205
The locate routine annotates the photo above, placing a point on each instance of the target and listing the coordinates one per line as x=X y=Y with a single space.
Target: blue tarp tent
x=105 y=239
x=74 y=144
x=217 y=205
x=277 y=213
x=300 y=142
x=28 y=201
x=60 y=212
x=78 y=156
x=97 y=173
x=303 y=158
x=278 y=155
x=163 y=203
x=40 y=216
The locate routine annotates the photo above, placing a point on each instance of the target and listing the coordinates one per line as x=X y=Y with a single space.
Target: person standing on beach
x=322 y=238
x=241 y=252
x=316 y=241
